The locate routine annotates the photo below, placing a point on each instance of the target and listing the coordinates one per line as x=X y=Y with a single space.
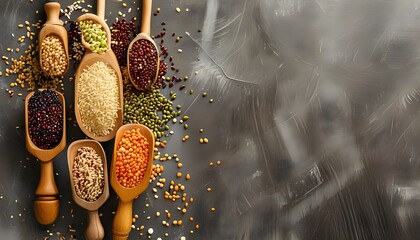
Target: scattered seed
x=178 y=9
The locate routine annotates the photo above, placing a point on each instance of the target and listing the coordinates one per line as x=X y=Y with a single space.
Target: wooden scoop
x=123 y=216
x=145 y=34
x=90 y=58
x=94 y=229
x=53 y=26
x=46 y=204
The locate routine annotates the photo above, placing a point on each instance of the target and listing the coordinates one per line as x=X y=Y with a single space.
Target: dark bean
x=121 y=34
x=143 y=63
x=45 y=119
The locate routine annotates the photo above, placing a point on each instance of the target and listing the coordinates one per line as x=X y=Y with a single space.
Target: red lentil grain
x=132 y=158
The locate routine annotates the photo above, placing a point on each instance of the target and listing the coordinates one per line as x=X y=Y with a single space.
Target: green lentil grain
x=151 y=109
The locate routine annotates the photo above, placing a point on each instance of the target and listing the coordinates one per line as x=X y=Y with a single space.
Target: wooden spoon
x=123 y=216
x=145 y=34
x=53 y=26
x=92 y=57
x=46 y=204
x=94 y=229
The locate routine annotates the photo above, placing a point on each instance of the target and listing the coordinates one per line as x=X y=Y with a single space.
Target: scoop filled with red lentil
x=130 y=172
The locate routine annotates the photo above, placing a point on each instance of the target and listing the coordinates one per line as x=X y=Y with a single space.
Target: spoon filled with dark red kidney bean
x=143 y=55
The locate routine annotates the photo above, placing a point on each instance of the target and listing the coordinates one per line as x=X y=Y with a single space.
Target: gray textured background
x=314 y=120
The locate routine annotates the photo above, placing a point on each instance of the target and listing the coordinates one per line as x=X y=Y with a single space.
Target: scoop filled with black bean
x=143 y=55
x=45 y=138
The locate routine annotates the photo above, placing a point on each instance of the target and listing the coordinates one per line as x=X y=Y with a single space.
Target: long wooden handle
x=94 y=229
x=53 y=13
x=123 y=220
x=101 y=9
x=146 y=14
x=46 y=205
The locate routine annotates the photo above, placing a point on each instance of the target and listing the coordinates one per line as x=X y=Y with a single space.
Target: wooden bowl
x=46 y=204
x=94 y=230
x=88 y=59
x=99 y=20
x=123 y=216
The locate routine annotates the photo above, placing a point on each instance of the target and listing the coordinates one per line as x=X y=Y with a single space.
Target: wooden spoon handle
x=146 y=14
x=53 y=13
x=123 y=220
x=94 y=229
x=101 y=9
x=46 y=205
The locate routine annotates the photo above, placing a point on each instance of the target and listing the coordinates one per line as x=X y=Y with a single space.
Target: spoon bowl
x=96 y=19
x=111 y=60
x=145 y=34
x=46 y=204
x=53 y=26
x=123 y=216
x=94 y=230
